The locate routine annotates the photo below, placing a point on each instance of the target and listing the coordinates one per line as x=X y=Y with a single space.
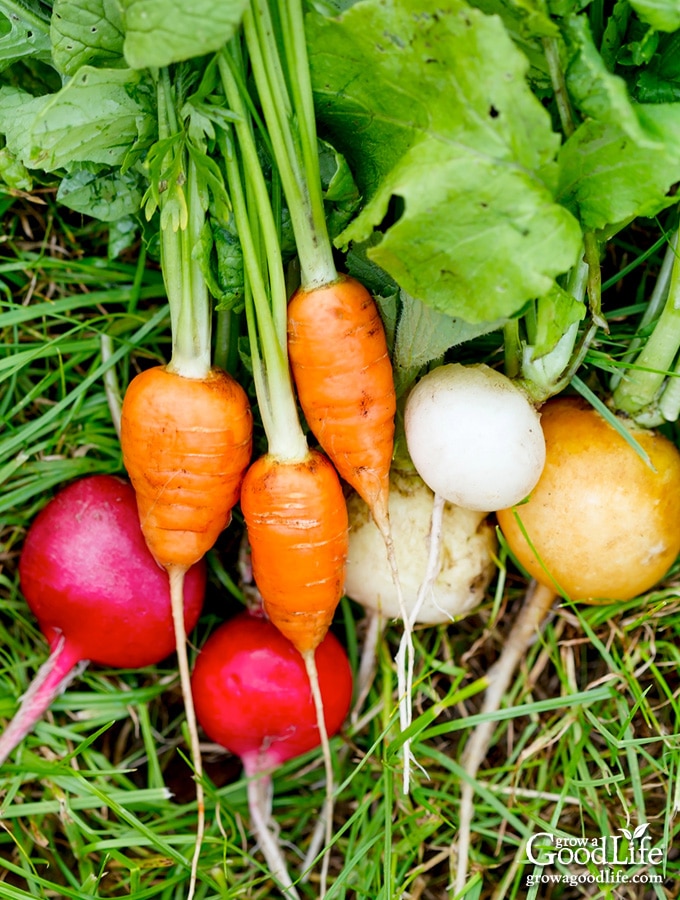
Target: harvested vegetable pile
x=340 y=523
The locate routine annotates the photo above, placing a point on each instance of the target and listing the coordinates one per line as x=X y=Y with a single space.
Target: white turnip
x=474 y=436
x=97 y=592
x=253 y=696
x=468 y=543
x=445 y=558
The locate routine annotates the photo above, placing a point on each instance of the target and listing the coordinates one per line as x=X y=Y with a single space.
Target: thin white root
x=537 y=604
x=367 y=664
x=404 y=660
x=260 y=808
x=327 y=813
x=176 y=575
x=405 y=654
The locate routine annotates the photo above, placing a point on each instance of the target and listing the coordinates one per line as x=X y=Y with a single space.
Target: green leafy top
x=104 y=116
x=160 y=32
x=24 y=32
x=491 y=142
x=86 y=32
x=430 y=103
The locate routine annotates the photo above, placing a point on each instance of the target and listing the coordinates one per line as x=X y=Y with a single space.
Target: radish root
x=52 y=678
x=260 y=808
x=538 y=602
x=176 y=575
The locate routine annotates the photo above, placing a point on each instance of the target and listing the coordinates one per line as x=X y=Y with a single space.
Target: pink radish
x=253 y=696
x=96 y=591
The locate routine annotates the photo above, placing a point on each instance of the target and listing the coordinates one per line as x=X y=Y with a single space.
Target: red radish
x=252 y=695
x=96 y=591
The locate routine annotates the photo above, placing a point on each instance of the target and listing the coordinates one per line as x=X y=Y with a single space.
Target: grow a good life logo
x=627 y=858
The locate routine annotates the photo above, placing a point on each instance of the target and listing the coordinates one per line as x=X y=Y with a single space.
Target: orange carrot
x=186 y=428
x=292 y=499
x=344 y=379
x=186 y=446
x=337 y=344
x=296 y=517
x=343 y=375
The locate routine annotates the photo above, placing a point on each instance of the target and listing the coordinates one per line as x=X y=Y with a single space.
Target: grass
x=98 y=801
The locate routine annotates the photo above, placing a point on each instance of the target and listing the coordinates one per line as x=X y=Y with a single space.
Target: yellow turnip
x=602 y=523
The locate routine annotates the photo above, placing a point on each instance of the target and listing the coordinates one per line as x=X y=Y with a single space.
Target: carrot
x=297 y=526
x=186 y=446
x=343 y=375
x=292 y=499
x=337 y=344
x=297 y=523
x=186 y=428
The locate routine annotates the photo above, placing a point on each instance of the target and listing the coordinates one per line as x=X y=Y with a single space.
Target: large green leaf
x=86 y=32
x=429 y=103
x=107 y=195
x=608 y=178
x=662 y=15
x=100 y=116
x=23 y=33
x=593 y=89
x=160 y=32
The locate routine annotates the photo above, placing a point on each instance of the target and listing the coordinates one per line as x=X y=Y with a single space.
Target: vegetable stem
x=405 y=655
x=188 y=299
x=192 y=332
x=170 y=238
x=313 y=674
x=259 y=807
x=669 y=403
x=545 y=375
x=512 y=348
x=111 y=386
x=654 y=306
x=642 y=383
x=293 y=133
x=63 y=664
x=592 y=257
x=258 y=186
x=291 y=14
x=271 y=371
x=552 y=56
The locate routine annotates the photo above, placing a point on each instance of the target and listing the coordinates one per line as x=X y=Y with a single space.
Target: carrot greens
x=287 y=106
